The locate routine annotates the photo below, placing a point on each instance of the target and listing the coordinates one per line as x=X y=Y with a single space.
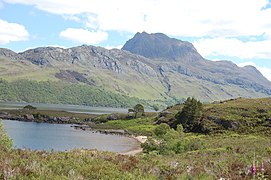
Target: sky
x=235 y=30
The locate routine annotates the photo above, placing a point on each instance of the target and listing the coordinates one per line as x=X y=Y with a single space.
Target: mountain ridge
x=172 y=70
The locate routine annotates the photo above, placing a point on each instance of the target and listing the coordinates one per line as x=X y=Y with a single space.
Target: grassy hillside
x=13 y=70
x=238 y=115
x=63 y=93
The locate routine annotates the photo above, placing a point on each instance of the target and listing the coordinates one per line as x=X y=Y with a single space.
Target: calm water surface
x=67 y=107
x=64 y=107
x=61 y=137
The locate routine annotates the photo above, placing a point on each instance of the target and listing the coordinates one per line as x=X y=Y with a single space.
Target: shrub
x=161 y=129
x=5 y=141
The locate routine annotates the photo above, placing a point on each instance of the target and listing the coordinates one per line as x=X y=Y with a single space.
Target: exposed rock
x=227 y=124
x=73 y=76
x=113 y=117
x=113 y=131
x=29 y=117
x=63 y=118
x=4 y=114
x=141 y=67
x=6 y=53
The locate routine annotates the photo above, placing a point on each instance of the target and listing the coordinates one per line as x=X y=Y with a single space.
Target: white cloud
x=222 y=21
x=56 y=45
x=113 y=47
x=233 y=47
x=174 y=17
x=84 y=36
x=266 y=72
x=12 y=32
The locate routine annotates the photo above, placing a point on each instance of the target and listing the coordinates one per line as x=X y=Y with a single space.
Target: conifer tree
x=190 y=113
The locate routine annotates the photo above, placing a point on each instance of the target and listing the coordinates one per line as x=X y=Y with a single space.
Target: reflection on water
x=61 y=137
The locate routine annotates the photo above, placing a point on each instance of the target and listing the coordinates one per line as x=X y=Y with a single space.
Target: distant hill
x=150 y=66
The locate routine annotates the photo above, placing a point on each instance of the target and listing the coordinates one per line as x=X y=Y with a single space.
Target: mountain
x=149 y=66
x=160 y=46
x=181 y=57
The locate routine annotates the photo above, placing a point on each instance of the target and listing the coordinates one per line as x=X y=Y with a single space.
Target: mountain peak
x=160 y=46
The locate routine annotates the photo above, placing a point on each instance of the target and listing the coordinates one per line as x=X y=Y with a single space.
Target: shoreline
x=134 y=151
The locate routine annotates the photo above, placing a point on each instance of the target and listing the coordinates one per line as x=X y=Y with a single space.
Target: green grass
x=17 y=70
x=139 y=126
x=143 y=126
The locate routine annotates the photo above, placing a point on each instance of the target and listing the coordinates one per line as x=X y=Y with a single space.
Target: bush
x=161 y=129
x=5 y=141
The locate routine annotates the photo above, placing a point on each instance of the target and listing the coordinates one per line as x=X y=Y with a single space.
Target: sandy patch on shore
x=135 y=151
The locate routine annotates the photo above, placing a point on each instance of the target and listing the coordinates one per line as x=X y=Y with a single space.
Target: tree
x=139 y=108
x=29 y=107
x=190 y=114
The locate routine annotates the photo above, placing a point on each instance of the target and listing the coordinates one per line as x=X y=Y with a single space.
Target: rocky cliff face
x=88 y=56
x=149 y=66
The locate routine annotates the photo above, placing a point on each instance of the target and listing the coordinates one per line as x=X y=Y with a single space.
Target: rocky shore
x=40 y=116
x=31 y=118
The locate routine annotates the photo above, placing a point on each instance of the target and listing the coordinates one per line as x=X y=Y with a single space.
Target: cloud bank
x=226 y=27
x=10 y=32
x=84 y=36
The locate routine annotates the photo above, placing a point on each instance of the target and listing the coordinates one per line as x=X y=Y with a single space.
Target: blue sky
x=239 y=31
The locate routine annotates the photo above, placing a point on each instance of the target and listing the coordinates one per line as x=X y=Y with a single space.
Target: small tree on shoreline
x=139 y=108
